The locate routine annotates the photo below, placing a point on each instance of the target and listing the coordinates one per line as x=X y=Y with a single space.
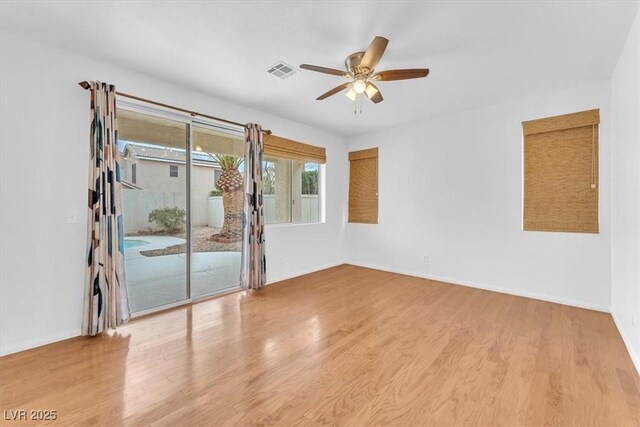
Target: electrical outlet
x=425 y=258
x=634 y=322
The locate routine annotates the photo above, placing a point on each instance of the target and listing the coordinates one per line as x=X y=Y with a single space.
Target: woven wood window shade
x=276 y=146
x=561 y=173
x=363 y=186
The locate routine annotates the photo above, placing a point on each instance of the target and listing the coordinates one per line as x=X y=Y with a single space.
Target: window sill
x=292 y=224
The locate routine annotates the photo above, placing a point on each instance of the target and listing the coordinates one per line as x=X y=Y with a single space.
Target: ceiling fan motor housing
x=353 y=64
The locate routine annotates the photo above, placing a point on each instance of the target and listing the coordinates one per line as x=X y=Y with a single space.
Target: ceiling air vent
x=282 y=70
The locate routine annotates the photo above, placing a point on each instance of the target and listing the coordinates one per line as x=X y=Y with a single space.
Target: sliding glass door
x=182 y=236
x=216 y=202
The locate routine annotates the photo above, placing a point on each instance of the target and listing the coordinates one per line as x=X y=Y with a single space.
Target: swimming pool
x=134 y=243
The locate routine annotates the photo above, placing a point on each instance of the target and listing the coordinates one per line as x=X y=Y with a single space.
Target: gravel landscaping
x=201 y=243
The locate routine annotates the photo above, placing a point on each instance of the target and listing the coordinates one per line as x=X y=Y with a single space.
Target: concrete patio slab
x=160 y=280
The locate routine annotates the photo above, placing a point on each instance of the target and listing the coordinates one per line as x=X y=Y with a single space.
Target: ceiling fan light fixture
x=370 y=90
x=359 y=86
x=351 y=94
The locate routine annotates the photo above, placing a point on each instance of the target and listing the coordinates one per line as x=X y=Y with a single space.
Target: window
x=173 y=171
x=291 y=179
x=363 y=186
x=291 y=191
x=276 y=178
x=560 y=189
x=308 y=208
x=134 y=175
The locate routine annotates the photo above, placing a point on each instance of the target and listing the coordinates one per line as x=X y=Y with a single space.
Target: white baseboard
x=302 y=272
x=533 y=295
x=38 y=342
x=635 y=357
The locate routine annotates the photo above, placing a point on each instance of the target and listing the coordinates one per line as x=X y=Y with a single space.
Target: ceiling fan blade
x=413 y=73
x=324 y=70
x=373 y=93
x=374 y=53
x=333 y=91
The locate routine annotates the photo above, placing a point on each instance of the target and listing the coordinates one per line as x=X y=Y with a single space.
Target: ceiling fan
x=361 y=73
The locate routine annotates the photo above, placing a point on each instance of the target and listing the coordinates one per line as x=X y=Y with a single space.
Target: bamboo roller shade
x=276 y=146
x=363 y=186
x=561 y=173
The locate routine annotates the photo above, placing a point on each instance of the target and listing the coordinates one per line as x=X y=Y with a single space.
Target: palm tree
x=230 y=184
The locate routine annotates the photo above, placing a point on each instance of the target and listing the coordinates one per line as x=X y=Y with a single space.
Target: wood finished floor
x=344 y=346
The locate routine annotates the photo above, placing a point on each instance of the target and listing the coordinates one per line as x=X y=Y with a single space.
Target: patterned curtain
x=253 y=272
x=106 y=303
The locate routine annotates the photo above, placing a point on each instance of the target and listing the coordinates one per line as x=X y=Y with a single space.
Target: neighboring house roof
x=149 y=152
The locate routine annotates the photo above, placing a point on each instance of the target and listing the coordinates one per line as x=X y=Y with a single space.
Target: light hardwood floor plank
x=343 y=346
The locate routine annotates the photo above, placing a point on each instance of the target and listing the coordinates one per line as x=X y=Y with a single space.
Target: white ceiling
x=478 y=52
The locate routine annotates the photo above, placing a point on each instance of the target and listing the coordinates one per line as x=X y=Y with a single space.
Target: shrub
x=214 y=193
x=171 y=220
x=310 y=182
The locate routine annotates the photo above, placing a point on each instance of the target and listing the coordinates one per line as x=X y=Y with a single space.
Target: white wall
x=460 y=173
x=44 y=129
x=450 y=187
x=625 y=197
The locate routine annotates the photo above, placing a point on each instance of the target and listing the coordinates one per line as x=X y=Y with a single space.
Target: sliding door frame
x=144 y=108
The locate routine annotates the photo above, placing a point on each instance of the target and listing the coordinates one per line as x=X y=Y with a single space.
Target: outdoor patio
x=159 y=280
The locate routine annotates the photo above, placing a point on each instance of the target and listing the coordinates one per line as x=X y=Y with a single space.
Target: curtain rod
x=86 y=85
